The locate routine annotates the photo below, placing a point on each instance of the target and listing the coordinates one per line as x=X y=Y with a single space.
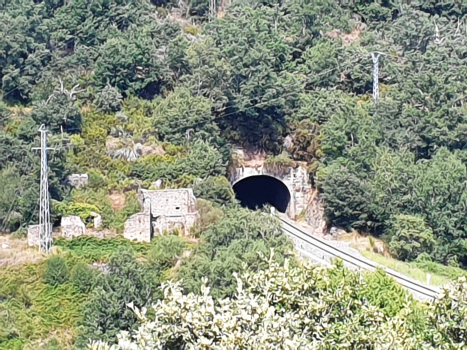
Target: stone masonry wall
x=33 y=235
x=167 y=202
x=138 y=227
x=162 y=211
x=295 y=179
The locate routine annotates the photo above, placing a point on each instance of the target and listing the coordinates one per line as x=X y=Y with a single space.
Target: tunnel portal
x=254 y=192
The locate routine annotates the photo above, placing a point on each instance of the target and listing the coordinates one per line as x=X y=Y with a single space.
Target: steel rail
x=290 y=229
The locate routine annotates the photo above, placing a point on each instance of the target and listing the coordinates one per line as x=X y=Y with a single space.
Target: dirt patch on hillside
x=252 y=158
x=117 y=201
x=362 y=242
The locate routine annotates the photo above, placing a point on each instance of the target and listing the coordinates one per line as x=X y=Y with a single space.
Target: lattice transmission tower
x=45 y=227
x=375 y=58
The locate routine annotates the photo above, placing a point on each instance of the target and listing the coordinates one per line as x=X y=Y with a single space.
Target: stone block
x=72 y=226
x=33 y=235
x=97 y=221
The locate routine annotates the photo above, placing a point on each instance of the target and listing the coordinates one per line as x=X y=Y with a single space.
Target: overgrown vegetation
x=65 y=299
x=136 y=99
x=156 y=101
x=301 y=307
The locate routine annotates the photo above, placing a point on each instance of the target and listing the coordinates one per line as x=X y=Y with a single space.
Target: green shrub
x=83 y=277
x=109 y=100
x=384 y=292
x=208 y=214
x=193 y=30
x=165 y=250
x=4 y=114
x=279 y=164
x=107 y=312
x=89 y=249
x=83 y=210
x=226 y=245
x=56 y=271
x=96 y=180
x=173 y=150
x=215 y=189
x=410 y=237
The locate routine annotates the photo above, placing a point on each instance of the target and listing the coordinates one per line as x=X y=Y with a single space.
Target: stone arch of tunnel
x=258 y=190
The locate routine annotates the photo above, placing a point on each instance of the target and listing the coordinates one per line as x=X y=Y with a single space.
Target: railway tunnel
x=254 y=192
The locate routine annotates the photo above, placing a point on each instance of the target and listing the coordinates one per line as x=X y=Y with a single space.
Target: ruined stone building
x=162 y=211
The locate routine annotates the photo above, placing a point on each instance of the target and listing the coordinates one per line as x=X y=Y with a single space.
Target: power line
x=353 y=64
x=45 y=227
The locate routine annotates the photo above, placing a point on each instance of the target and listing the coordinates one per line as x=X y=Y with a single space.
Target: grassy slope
x=440 y=274
x=34 y=315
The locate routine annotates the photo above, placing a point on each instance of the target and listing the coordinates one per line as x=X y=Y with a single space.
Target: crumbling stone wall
x=167 y=202
x=182 y=223
x=72 y=226
x=138 y=228
x=77 y=180
x=162 y=211
x=33 y=235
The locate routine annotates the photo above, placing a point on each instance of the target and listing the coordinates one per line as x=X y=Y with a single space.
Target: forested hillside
x=134 y=91
x=161 y=99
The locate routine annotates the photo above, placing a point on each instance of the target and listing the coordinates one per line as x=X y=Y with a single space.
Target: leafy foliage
x=234 y=240
x=410 y=237
x=83 y=277
x=215 y=189
x=125 y=281
x=298 y=307
x=166 y=251
x=56 y=271
x=293 y=78
x=109 y=100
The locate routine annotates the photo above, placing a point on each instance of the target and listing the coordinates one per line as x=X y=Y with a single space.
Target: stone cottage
x=162 y=211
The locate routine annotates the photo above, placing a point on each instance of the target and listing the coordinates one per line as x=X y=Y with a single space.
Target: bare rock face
x=77 y=180
x=33 y=235
x=335 y=231
x=315 y=214
x=72 y=226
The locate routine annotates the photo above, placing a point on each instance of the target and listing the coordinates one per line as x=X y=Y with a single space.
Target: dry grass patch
x=16 y=251
x=365 y=243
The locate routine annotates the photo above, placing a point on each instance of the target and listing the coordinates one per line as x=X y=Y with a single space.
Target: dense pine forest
x=135 y=91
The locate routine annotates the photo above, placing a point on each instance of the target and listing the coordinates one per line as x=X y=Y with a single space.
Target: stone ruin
x=77 y=180
x=162 y=211
x=72 y=226
x=33 y=235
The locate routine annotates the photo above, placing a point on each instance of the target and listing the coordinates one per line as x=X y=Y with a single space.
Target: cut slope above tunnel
x=256 y=191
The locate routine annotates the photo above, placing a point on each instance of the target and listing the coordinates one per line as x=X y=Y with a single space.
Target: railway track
x=323 y=252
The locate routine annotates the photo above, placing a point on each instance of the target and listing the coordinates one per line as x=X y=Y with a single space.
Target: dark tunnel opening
x=255 y=191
